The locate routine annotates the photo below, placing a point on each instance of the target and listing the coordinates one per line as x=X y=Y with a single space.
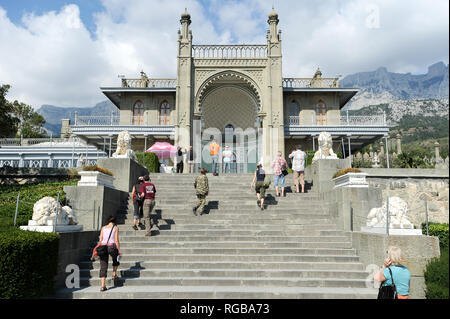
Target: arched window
x=321 y=113
x=138 y=113
x=164 y=113
x=294 y=113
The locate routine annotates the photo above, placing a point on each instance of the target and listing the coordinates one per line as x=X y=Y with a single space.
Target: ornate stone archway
x=222 y=80
x=229 y=104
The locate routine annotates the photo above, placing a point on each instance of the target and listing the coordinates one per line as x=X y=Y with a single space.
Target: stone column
x=184 y=84
x=436 y=150
x=399 y=144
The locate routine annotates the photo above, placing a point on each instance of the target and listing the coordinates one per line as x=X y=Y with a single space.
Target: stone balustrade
x=315 y=120
x=149 y=83
x=298 y=83
x=229 y=51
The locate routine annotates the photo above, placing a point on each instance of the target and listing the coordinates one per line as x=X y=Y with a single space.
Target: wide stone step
x=220 y=281
x=127 y=243
x=234 y=273
x=140 y=235
x=232 y=232
x=240 y=226
x=232 y=261
x=159 y=267
x=256 y=215
x=238 y=251
x=221 y=292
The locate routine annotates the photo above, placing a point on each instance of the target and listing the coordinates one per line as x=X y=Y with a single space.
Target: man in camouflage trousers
x=202 y=190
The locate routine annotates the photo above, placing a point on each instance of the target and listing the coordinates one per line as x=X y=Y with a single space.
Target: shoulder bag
x=102 y=251
x=388 y=292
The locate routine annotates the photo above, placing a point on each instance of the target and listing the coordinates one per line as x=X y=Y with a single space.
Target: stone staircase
x=289 y=250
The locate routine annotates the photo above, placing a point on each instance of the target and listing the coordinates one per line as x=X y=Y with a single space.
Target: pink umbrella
x=162 y=149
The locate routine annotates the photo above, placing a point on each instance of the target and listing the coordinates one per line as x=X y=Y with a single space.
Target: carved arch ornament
x=251 y=87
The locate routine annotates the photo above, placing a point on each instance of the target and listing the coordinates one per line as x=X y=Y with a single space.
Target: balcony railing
x=343 y=120
x=149 y=83
x=115 y=120
x=243 y=51
x=298 y=83
x=97 y=120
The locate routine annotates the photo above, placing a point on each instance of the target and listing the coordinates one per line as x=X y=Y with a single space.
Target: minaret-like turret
x=184 y=83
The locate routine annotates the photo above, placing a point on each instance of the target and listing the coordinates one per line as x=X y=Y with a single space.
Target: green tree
x=8 y=122
x=30 y=123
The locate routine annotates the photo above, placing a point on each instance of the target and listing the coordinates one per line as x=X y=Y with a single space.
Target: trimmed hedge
x=28 y=263
x=149 y=160
x=437 y=271
x=438 y=230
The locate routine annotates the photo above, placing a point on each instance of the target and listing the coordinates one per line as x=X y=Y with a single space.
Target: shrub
x=309 y=157
x=149 y=160
x=437 y=271
x=437 y=278
x=438 y=230
x=28 y=263
x=345 y=171
x=98 y=169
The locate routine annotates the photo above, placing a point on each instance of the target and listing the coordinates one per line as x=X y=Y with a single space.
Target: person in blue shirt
x=401 y=274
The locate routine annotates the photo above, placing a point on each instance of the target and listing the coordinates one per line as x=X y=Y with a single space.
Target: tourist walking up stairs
x=202 y=190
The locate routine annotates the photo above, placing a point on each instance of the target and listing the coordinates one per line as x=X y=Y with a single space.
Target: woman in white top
x=109 y=235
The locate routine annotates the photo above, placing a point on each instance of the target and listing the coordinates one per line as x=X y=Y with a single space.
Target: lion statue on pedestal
x=325 y=148
x=124 y=147
x=44 y=210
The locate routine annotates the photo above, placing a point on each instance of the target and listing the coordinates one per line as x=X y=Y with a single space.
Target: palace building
x=231 y=88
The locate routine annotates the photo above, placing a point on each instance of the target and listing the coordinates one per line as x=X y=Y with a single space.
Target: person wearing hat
x=258 y=184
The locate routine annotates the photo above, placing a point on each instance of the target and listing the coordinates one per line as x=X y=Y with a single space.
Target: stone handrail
x=149 y=83
x=297 y=83
x=308 y=120
x=94 y=120
x=243 y=51
x=114 y=119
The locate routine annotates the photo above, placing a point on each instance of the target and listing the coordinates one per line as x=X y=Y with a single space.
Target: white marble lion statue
x=124 y=146
x=325 y=148
x=44 y=210
x=398 y=215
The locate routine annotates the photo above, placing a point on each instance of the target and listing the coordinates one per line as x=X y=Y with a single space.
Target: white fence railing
x=47 y=141
x=298 y=83
x=149 y=83
x=244 y=51
x=344 y=120
x=115 y=120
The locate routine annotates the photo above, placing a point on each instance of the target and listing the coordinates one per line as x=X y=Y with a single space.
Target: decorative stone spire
x=185 y=22
x=273 y=22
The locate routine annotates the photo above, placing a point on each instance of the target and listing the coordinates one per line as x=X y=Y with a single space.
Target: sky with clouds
x=60 y=52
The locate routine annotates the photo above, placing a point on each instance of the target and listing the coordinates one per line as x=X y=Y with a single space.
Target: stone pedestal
x=125 y=170
x=392 y=231
x=33 y=226
x=351 y=180
x=94 y=204
x=322 y=172
x=95 y=178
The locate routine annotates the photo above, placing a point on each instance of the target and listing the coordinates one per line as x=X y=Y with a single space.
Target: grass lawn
x=29 y=194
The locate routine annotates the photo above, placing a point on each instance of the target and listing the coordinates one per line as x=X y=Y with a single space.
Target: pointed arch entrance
x=229 y=105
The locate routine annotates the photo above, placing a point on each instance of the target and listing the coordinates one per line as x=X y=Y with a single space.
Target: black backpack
x=388 y=292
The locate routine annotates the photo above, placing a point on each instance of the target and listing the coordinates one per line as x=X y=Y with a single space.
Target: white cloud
x=53 y=59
